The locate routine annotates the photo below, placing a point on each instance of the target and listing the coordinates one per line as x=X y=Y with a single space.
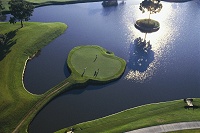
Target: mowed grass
x=22 y=43
x=85 y=61
x=140 y=117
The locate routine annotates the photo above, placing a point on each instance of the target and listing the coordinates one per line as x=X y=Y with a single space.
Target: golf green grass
x=140 y=117
x=21 y=44
x=85 y=61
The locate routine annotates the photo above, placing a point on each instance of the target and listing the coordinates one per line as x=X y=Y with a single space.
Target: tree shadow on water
x=108 y=10
x=90 y=87
x=7 y=43
x=140 y=54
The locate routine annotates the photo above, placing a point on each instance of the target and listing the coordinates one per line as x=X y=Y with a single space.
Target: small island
x=147 y=25
x=95 y=63
x=107 y=3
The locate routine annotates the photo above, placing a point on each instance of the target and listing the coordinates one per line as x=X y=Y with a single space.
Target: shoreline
x=24 y=69
x=49 y=3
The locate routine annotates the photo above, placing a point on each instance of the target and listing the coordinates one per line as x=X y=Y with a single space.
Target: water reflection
x=141 y=55
x=140 y=58
x=160 y=42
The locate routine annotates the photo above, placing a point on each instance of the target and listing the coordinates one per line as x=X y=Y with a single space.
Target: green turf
x=139 y=117
x=15 y=101
x=94 y=58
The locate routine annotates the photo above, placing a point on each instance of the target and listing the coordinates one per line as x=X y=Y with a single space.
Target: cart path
x=168 y=127
x=37 y=105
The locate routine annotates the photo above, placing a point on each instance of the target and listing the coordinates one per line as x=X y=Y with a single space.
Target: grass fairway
x=22 y=43
x=85 y=61
x=139 y=117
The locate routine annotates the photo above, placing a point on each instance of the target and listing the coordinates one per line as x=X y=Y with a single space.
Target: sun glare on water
x=159 y=40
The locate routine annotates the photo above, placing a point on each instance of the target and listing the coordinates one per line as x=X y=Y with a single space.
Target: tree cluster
x=1 y=8
x=21 y=10
x=152 y=6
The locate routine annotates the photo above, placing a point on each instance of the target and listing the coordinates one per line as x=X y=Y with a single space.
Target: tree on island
x=149 y=25
x=21 y=10
x=152 y=6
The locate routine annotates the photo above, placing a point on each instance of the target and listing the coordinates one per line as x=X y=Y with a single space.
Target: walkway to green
x=168 y=127
x=41 y=103
x=86 y=63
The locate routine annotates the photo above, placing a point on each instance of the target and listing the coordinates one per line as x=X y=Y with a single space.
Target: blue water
x=170 y=70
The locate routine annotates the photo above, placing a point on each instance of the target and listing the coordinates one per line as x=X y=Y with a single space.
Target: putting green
x=95 y=63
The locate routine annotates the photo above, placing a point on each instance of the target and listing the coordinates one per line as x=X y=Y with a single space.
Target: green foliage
x=21 y=10
x=152 y=6
x=1 y=7
x=2 y=39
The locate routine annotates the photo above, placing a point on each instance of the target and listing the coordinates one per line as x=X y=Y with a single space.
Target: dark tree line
x=1 y=7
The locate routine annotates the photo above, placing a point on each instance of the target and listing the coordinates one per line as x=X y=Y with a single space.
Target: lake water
x=170 y=70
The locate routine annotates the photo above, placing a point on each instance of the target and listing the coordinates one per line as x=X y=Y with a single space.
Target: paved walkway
x=168 y=127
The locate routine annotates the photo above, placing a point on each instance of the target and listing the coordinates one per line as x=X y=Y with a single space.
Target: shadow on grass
x=192 y=107
x=8 y=42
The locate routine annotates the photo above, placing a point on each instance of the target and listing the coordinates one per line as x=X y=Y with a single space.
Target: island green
x=18 y=106
x=95 y=63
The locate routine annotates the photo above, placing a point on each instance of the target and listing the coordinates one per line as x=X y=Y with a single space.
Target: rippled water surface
x=169 y=71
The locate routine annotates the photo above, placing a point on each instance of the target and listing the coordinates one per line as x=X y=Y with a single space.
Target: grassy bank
x=58 y=2
x=39 y=3
x=20 y=44
x=18 y=106
x=139 y=117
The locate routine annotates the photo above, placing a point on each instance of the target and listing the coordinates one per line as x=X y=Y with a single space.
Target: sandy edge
x=24 y=69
